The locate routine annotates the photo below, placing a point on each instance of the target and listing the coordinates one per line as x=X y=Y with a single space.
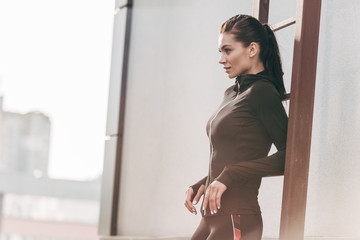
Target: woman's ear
x=254 y=48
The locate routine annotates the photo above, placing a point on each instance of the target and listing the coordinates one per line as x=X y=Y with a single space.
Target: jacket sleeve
x=197 y=185
x=267 y=106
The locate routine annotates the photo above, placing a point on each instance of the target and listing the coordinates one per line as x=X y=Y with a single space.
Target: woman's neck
x=256 y=68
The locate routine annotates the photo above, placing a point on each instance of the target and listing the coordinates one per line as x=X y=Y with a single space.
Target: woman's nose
x=222 y=59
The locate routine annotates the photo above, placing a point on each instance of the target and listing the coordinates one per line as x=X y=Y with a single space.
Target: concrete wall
x=334 y=194
x=175 y=84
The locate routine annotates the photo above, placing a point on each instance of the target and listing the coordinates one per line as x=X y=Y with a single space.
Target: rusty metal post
x=300 y=119
x=261 y=10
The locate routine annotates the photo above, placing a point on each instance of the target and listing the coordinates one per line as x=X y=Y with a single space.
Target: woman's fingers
x=213 y=196
x=218 y=200
x=221 y=189
x=199 y=193
x=212 y=199
x=206 y=200
x=209 y=199
x=188 y=204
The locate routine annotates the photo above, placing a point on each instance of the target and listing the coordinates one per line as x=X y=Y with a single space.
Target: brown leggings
x=233 y=227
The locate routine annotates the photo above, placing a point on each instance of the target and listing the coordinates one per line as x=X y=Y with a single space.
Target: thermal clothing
x=249 y=120
x=230 y=227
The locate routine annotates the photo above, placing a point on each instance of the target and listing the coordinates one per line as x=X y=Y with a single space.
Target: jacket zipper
x=211 y=145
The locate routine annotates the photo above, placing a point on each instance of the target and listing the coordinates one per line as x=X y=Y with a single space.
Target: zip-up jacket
x=249 y=120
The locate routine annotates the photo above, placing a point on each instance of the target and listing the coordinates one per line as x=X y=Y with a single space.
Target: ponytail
x=271 y=60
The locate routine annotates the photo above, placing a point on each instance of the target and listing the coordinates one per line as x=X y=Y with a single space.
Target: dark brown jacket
x=250 y=118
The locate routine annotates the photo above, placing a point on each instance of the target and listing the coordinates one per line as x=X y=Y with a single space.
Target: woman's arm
x=269 y=166
x=266 y=104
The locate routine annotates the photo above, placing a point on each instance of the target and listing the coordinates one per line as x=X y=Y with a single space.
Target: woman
x=249 y=120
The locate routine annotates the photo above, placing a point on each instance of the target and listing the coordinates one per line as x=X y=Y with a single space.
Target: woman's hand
x=188 y=196
x=213 y=196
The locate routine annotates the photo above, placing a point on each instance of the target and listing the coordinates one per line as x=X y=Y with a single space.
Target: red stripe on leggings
x=236 y=224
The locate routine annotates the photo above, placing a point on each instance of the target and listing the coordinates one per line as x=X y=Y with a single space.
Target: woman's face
x=234 y=56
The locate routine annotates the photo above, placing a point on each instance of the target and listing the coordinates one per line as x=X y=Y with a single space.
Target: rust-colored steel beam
x=261 y=10
x=283 y=24
x=287 y=96
x=300 y=120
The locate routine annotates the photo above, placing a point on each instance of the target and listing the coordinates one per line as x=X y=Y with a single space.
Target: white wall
x=175 y=84
x=334 y=193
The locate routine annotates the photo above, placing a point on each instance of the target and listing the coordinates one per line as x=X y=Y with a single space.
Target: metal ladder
x=301 y=96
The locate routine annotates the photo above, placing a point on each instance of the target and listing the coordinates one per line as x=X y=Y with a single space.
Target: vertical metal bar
x=261 y=10
x=124 y=78
x=110 y=188
x=300 y=119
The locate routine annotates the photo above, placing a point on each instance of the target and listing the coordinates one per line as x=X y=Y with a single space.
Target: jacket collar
x=243 y=81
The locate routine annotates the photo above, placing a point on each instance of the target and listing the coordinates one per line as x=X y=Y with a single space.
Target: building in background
x=25 y=142
x=32 y=205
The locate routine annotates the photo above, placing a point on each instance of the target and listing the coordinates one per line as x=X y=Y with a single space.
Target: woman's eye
x=226 y=50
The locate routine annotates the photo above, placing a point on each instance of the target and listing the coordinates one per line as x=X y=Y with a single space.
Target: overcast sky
x=55 y=58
